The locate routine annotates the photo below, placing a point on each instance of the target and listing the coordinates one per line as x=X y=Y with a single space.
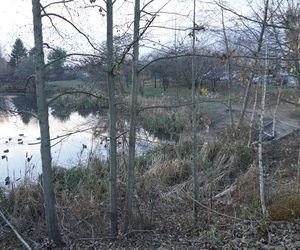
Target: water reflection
x=73 y=137
x=19 y=137
x=63 y=114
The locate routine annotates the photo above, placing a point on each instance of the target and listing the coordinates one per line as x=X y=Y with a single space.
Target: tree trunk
x=260 y=145
x=275 y=111
x=194 y=127
x=133 y=118
x=252 y=117
x=49 y=198
x=112 y=121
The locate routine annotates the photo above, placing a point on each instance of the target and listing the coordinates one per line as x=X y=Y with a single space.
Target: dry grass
x=286 y=207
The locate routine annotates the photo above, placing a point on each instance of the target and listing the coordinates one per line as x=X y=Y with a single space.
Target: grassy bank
x=229 y=206
x=162 y=203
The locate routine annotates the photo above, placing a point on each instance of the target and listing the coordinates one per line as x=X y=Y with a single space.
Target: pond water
x=73 y=140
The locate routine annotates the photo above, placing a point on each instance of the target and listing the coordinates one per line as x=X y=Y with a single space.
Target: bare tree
x=112 y=120
x=49 y=197
x=194 y=126
x=133 y=118
x=260 y=142
x=263 y=25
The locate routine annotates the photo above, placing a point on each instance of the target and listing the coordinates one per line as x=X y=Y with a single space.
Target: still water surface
x=19 y=138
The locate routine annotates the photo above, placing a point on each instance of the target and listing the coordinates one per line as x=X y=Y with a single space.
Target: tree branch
x=15 y=231
x=75 y=92
x=58 y=2
x=73 y=25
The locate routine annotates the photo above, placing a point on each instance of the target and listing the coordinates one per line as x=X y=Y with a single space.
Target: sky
x=16 y=22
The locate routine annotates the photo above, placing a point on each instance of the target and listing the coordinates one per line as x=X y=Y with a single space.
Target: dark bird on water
x=4 y=157
x=29 y=158
x=19 y=139
x=20 y=142
x=21 y=134
x=10 y=139
x=84 y=146
x=7 y=180
x=5 y=151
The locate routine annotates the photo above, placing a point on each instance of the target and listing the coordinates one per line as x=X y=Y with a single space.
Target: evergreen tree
x=18 y=52
x=57 y=59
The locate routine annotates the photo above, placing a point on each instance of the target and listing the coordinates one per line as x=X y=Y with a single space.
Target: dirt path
x=285 y=122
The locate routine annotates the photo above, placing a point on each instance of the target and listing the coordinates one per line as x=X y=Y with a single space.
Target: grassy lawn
x=173 y=91
x=66 y=83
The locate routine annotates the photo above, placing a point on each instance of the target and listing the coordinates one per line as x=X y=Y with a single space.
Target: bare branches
x=73 y=54
x=58 y=2
x=248 y=18
x=128 y=48
x=75 y=92
x=72 y=24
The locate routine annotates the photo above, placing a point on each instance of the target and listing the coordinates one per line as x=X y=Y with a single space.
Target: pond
x=73 y=141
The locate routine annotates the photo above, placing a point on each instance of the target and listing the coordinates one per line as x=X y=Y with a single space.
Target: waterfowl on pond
x=9 y=139
x=4 y=157
x=5 y=151
x=20 y=142
x=6 y=141
x=7 y=180
x=84 y=146
x=19 y=139
x=21 y=135
x=29 y=158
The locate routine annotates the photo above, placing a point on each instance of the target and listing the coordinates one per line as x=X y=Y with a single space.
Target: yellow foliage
x=292 y=70
x=203 y=91
x=298 y=102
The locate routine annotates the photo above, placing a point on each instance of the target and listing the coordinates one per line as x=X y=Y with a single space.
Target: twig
x=15 y=231
x=181 y=105
x=63 y=136
x=212 y=210
x=75 y=92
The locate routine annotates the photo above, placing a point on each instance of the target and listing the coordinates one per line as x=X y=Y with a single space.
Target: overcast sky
x=16 y=19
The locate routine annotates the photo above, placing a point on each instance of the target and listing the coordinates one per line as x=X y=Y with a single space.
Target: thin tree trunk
x=133 y=118
x=252 y=116
x=49 y=197
x=112 y=122
x=259 y=46
x=275 y=111
x=229 y=71
x=194 y=128
x=260 y=145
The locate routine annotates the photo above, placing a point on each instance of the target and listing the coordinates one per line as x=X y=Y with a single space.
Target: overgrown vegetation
x=163 y=180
